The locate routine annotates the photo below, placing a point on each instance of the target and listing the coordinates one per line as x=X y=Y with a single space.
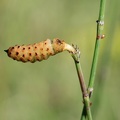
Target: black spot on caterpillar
x=38 y=51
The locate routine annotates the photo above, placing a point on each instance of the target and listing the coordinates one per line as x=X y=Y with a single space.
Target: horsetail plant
x=42 y=50
x=38 y=51
x=85 y=94
x=99 y=36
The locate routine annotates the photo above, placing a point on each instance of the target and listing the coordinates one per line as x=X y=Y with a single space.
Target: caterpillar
x=38 y=51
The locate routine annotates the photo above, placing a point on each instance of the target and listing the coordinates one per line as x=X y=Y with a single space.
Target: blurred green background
x=49 y=90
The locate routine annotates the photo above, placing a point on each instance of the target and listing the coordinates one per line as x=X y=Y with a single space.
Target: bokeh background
x=49 y=90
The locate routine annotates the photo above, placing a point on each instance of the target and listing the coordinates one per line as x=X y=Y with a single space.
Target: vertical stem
x=81 y=78
x=83 y=88
x=99 y=36
x=94 y=65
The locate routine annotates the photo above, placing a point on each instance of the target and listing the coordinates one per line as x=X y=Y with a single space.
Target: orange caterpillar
x=39 y=51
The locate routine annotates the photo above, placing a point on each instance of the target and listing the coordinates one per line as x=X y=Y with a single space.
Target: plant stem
x=81 y=78
x=99 y=36
x=83 y=87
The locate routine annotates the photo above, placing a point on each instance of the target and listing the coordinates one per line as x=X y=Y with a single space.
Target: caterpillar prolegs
x=39 y=51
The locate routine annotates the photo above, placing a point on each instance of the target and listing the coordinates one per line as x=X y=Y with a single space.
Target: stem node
x=100 y=22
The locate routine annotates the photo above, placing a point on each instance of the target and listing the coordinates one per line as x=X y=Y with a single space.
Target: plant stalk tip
x=6 y=51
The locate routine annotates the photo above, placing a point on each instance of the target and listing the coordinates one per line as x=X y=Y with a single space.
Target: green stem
x=83 y=87
x=99 y=36
x=81 y=78
x=94 y=65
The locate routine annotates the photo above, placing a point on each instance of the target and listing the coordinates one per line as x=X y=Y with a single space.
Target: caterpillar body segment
x=39 y=51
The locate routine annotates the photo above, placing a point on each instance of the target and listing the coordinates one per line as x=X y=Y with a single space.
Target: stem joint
x=100 y=22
